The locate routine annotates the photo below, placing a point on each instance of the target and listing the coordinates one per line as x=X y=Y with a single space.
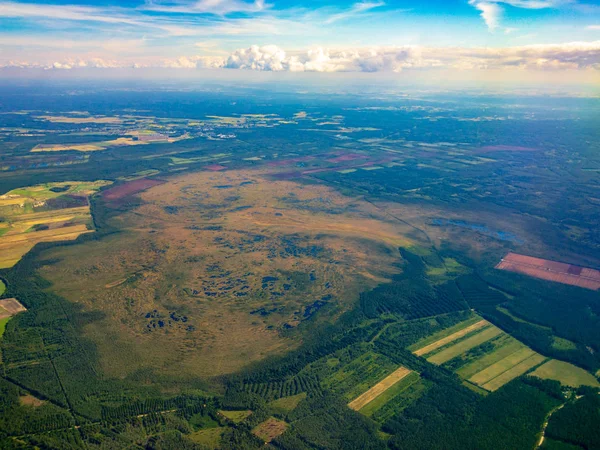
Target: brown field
x=129 y=188
x=434 y=346
x=80 y=120
x=367 y=397
x=551 y=270
x=9 y=307
x=66 y=147
x=30 y=400
x=240 y=257
x=270 y=429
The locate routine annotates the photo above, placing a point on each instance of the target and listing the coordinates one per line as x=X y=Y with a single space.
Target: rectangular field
x=514 y=372
x=378 y=389
x=465 y=345
x=551 y=270
x=450 y=338
x=470 y=369
x=566 y=373
x=501 y=366
x=376 y=404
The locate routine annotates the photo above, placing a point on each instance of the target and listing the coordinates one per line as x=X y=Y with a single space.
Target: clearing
x=270 y=429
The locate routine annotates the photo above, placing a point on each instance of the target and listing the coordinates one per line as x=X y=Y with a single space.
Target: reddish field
x=133 y=187
x=551 y=270
x=215 y=167
x=347 y=157
x=9 y=307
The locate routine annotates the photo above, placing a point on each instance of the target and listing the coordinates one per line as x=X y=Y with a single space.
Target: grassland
x=43 y=213
x=208 y=438
x=287 y=404
x=236 y=416
x=3 y=323
x=2 y=287
x=566 y=373
x=215 y=270
x=373 y=404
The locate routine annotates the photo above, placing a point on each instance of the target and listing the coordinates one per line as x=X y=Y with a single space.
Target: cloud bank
x=271 y=58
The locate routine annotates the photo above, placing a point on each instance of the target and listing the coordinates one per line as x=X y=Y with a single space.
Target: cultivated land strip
x=513 y=372
x=464 y=345
x=501 y=366
x=453 y=337
x=379 y=388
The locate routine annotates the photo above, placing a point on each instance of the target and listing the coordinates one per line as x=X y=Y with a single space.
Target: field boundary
x=370 y=395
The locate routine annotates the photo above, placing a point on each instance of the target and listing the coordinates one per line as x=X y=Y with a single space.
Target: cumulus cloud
x=570 y=56
x=273 y=58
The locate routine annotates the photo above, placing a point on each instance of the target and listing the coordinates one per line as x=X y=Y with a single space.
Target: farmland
x=44 y=213
x=285 y=258
x=551 y=270
x=487 y=357
x=379 y=389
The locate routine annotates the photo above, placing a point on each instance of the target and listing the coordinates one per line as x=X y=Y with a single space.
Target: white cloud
x=490 y=12
x=219 y=7
x=593 y=27
x=356 y=9
x=570 y=56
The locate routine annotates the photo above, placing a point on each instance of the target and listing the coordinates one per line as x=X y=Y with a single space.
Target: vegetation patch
x=462 y=329
x=566 y=373
x=466 y=344
x=270 y=429
x=287 y=404
x=365 y=398
x=235 y=416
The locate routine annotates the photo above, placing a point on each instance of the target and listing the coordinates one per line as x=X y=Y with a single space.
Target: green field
x=470 y=369
x=359 y=375
x=566 y=373
x=501 y=366
x=443 y=333
x=3 y=323
x=451 y=352
x=236 y=416
x=210 y=438
x=288 y=403
x=513 y=372
x=563 y=344
x=2 y=287
x=377 y=403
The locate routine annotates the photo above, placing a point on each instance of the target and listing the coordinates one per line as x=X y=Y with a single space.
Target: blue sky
x=369 y=35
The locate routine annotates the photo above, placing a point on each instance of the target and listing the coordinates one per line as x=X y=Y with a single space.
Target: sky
x=373 y=36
